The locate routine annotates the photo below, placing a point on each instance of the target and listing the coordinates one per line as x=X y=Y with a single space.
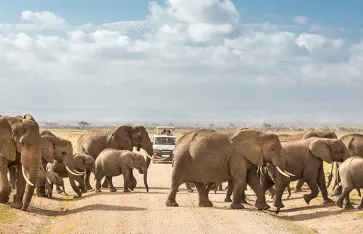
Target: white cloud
x=43 y=17
x=300 y=20
x=186 y=56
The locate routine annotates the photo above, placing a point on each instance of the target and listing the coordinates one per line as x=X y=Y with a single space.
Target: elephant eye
x=64 y=153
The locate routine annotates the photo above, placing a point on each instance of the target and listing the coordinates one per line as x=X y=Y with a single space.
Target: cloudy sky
x=179 y=60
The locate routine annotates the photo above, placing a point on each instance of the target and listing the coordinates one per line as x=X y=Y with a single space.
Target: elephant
x=354 y=143
x=207 y=156
x=20 y=148
x=321 y=134
x=80 y=164
x=122 y=138
x=51 y=178
x=112 y=162
x=351 y=175
x=59 y=149
x=304 y=158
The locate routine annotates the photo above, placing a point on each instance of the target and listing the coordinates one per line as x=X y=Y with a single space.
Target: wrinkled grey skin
x=112 y=162
x=304 y=158
x=320 y=134
x=122 y=138
x=206 y=156
x=354 y=143
x=80 y=163
x=351 y=174
x=19 y=148
x=61 y=151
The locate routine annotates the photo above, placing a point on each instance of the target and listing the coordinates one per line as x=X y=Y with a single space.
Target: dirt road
x=141 y=212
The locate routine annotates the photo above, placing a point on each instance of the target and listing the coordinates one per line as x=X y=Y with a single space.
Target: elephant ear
x=247 y=143
x=8 y=150
x=352 y=146
x=321 y=149
x=47 y=148
x=129 y=159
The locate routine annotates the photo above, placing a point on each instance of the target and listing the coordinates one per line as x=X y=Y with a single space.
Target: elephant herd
x=206 y=158
x=39 y=159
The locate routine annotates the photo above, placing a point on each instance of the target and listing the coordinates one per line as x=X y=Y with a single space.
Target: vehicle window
x=165 y=141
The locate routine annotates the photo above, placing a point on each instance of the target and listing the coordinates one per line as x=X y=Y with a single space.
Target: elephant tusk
x=282 y=173
x=129 y=189
x=25 y=177
x=72 y=172
x=290 y=174
x=80 y=172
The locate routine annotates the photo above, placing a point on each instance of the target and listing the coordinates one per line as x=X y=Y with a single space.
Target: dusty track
x=139 y=212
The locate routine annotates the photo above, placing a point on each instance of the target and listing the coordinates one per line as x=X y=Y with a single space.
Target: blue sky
x=333 y=12
x=206 y=60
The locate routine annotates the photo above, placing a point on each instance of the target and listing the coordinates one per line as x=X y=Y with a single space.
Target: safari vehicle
x=163 y=144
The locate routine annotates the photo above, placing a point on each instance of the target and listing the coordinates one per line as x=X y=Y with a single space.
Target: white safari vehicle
x=163 y=144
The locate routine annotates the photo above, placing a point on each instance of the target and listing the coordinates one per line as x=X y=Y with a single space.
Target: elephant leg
x=209 y=187
x=281 y=183
x=229 y=191
x=299 y=185
x=12 y=173
x=110 y=184
x=86 y=180
x=254 y=183
x=203 y=196
x=20 y=189
x=313 y=185
x=189 y=187
x=336 y=183
x=289 y=191
x=74 y=186
x=342 y=197
x=5 y=188
x=322 y=186
x=98 y=186
x=133 y=181
x=170 y=201
x=360 y=204
x=272 y=191
x=239 y=183
x=220 y=187
x=80 y=181
x=105 y=183
x=50 y=190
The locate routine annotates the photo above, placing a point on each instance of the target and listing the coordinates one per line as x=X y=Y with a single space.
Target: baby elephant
x=351 y=175
x=112 y=162
x=54 y=179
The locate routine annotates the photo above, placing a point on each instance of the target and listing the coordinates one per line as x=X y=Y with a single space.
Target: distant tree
x=212 y=125
x=83 y=124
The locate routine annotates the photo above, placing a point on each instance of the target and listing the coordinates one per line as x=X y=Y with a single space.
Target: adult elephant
x=354 y=143
x=207 y=156
x=304 y=158
x=320 y=134
x=61 y=150
x=20 y=147
x=122 y=138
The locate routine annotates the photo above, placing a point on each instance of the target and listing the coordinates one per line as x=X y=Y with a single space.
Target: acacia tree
x=83 y=124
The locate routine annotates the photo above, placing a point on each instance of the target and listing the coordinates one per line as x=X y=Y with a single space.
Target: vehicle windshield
x=165 y=141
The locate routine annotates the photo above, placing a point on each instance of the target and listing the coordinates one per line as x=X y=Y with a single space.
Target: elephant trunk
x=30 y=177
x=64 y=191
x=145 y=180
x=280 y=165
x=148 y=147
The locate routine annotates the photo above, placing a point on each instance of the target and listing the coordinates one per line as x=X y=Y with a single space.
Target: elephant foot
x=205 y=204
x=17 y=205
x=112 y=190
x=236 y=206
x=262 y=206
x=327 y=201
x=307 y=198
x=278 y=204
x=77 y=196
x=348 y=206
x=125 y=190
x=88 y=187
x=98 y=191
x=339 y=203
x=227 y=200
x=171 y=203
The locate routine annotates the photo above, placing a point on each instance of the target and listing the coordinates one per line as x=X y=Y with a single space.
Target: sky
x=182 y=60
